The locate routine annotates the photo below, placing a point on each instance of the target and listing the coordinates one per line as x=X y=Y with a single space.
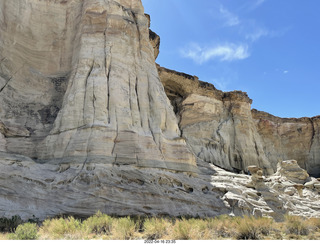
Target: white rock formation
x=114 y=108
x=218 y=126
x=46 y=190
x=291 y=170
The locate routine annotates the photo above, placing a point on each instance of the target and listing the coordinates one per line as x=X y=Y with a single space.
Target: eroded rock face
x=82 y=85
x=291 y=170
x=221 y=128
x=217 y=126
x=290 y=138
x=154 y=39
x=47 y=190
x=36 y=46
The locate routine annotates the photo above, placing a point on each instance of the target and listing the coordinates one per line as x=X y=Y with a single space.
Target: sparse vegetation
x=189 y=229
x=27 y=231
x=57 y=229
x=98 y=224
x=103 y=227
x=123 y=229
x=297 y=226
x=156 y=228
x=250 y=228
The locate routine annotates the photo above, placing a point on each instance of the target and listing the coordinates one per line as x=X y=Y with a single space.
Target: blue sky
x=267 y=48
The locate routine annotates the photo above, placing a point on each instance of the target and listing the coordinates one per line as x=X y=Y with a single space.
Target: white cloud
x=285 y=72
x=225 y=52
x=256 y=4
x=255 y=36
x=259 y=32
x=230 y=18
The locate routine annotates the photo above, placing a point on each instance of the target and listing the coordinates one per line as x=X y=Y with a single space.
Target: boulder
x=292 y=171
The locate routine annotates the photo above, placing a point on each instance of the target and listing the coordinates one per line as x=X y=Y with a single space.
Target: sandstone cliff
x=218 y=126
x=290 y=138
x=79 y=84
x=221 y=128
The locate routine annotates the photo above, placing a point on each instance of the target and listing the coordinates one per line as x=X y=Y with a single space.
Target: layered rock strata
x=221 y=128
x=154 y=39
x=285 y=138
x=97 y=56
x=46 y=190
x=217 y=125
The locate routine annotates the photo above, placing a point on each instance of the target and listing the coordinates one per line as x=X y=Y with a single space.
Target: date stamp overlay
x=160 y=241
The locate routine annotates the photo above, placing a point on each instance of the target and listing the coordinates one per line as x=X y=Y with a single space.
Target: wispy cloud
x=258 y=32
x=255 y=36
x=229 y=18
x=258 y=3
x=221 y=52
x=285 y=72
x=255 y=4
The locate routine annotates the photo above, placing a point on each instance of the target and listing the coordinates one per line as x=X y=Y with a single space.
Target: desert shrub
x=61 y=228
x=251 y=228
x=191 y=229
x=223 y=226
x=10 y=225
x=296 y=225
x=98 y=224
x=264 y=225
x=27 y=231
x=314 y=223
x=155 y=228
x=123 y=229
x=247 y=229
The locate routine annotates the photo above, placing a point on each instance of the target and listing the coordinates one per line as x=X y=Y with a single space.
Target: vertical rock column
x=115 y=108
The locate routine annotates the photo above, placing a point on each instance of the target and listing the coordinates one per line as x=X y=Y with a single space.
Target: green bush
x=123 y=229
x=98 y=224
x=27 y=231
x=61 y=228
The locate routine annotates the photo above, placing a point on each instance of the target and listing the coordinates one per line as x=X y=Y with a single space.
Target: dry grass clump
x=123 y=229
x=156 y=228
x=250 y=228
x=102 y=226
x=98 y=224
x=190 y=229
x=4 y=236
x=58 y=229
x=223 y=226
x=314 y=223
x=296 y=225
